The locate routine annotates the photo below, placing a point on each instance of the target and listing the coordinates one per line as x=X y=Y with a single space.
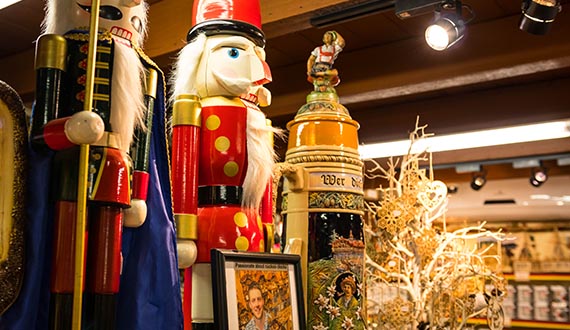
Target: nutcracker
x=127 y=164
x=222 y=157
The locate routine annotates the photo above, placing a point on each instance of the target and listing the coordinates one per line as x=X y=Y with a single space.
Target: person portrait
x=347 y=299
x=260 y=319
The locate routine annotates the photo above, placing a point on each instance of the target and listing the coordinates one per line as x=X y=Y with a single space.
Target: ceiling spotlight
x=538 y=15
x=478 y=181
x=538 y=176
x=448 y=26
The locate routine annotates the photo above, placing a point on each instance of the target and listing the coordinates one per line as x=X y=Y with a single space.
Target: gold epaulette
x=84 y=36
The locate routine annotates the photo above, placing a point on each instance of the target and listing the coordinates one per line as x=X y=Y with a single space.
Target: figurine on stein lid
x=319 y=65
x=222 y=155
x=127 y=174
x=323 y=199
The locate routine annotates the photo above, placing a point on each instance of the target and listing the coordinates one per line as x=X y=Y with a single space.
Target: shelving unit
x=541 y=301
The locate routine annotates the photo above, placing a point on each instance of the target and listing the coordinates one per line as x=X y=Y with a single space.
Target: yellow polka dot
x=240 y=219
x=242 y=243
x=259 y=223
x=231 y=168
x=222 y=144
x=213 y=122
x=262 y=245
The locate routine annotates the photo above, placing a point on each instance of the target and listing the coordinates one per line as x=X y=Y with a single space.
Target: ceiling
x=495 y=76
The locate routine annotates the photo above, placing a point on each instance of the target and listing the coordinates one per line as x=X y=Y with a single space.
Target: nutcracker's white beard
x=127 y=95
x=260 y=158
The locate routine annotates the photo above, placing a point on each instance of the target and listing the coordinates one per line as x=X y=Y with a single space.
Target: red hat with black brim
x=235 y=17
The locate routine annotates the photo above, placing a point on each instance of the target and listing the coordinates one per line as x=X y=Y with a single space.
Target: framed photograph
x=257 y=290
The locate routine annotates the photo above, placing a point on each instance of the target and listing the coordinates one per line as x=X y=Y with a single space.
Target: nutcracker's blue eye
x=233 y=52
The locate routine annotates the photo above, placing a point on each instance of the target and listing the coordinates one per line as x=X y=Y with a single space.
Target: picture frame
x=257 y=287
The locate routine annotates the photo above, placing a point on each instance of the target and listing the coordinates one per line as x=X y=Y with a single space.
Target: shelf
x=543 y=277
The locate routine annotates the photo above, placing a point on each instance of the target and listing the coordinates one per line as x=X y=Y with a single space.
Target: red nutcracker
x=222 y=158
x=124 y=93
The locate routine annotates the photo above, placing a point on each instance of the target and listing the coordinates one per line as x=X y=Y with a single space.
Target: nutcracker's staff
x=82 y=176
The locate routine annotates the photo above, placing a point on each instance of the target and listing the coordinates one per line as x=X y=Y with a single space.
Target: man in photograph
x=260 y=319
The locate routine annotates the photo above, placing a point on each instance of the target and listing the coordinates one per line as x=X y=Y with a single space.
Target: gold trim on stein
x=325 y=159
x=336 y=200
x=340 y=150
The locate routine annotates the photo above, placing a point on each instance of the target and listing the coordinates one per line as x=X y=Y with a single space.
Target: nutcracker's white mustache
x=236 y=86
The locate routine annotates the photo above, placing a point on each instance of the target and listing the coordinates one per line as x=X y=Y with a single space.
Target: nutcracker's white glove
x=84 y=127
x=187 y=253
x=136 y=214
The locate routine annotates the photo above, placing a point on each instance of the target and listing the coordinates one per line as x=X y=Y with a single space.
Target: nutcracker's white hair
x=186 y=67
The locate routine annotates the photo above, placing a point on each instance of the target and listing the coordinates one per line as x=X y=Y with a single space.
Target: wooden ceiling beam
x=389 y=71
x=169 y=22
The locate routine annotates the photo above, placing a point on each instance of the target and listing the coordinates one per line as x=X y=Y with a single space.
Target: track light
x=448 y=26
x=538 y=176
x=452 y=189
x=538 y=15
x=478 y=181
x=346 y=13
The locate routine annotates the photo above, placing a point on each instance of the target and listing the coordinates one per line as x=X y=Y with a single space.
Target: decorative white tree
x=420 y=275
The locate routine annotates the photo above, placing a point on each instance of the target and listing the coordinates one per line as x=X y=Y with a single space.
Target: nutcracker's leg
x=104 y=266
x=62 y=274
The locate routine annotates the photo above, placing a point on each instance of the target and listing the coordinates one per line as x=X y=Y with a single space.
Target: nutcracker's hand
x=187 y=253
x=136 y=214
x=84 y=127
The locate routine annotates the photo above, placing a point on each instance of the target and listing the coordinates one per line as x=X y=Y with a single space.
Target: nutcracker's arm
x=51 y=54
x=47 y=129
x=186 y=122
x=140 y=153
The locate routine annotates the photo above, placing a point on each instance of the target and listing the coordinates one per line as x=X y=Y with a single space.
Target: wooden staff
x=83 y=171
